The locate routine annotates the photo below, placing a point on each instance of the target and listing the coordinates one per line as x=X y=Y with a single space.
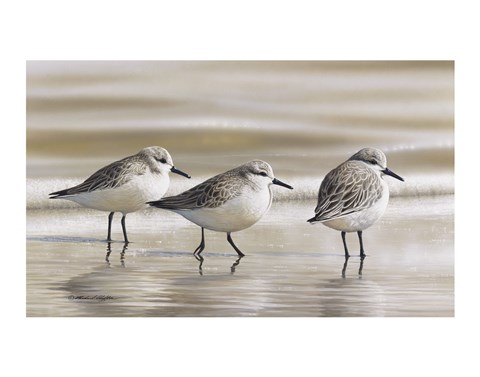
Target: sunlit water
x=304 y=118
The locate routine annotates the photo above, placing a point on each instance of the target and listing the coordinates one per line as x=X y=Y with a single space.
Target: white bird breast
x=235 y=214
x=127 y=198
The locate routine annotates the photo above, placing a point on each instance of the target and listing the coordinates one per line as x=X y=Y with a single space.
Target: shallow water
x=304 y=118
x=291 y=268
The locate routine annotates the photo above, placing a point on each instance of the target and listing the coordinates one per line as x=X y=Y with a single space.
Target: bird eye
x=162 y=160
x=373 y=162
x=263 y=174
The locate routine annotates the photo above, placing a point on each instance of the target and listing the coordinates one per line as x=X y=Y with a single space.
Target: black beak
x=280 y=183
x=387 y=171
x=175 y=170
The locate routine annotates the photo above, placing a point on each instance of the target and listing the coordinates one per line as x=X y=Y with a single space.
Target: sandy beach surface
x=291 y=268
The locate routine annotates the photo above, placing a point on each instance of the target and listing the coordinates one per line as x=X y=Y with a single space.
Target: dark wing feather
x=209 y=194
x=349 y=188
x=111 y=176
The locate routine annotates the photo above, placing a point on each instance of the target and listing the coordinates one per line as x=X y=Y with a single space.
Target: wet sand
x=291 y=268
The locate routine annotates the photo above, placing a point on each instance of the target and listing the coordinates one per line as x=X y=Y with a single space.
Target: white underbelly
x=234 y=215
x=127 y=198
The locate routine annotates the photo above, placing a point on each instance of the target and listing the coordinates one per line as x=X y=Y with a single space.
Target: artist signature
x=92 y=298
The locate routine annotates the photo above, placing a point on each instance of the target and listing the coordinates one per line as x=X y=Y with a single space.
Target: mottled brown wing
x=209 y=194
x=349 y=188
x=111 y=176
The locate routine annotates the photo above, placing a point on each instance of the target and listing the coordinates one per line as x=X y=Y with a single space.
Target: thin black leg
x=124 y=229
x=200 y=247
x=345 y=245
x=229 y=238
x=362 y=252
x=110 y=218
x=345 y=264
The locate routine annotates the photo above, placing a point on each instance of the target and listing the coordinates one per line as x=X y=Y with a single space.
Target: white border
x=245 y=30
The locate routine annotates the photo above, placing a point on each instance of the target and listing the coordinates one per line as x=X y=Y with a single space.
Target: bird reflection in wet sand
x=199 y=258
x=360 y=269
x=234 y=265
x=122 y=254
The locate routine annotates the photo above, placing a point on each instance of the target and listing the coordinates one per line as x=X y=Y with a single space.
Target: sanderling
x=125 y=185
x=228 y=202
x=354 y=195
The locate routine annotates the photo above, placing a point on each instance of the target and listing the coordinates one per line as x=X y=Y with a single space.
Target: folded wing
x=111 y=176
x=209 y=194
x=347 y=189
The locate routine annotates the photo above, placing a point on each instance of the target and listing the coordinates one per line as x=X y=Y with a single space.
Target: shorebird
x=353 y=196
x=125 y=185
x=229 y=202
